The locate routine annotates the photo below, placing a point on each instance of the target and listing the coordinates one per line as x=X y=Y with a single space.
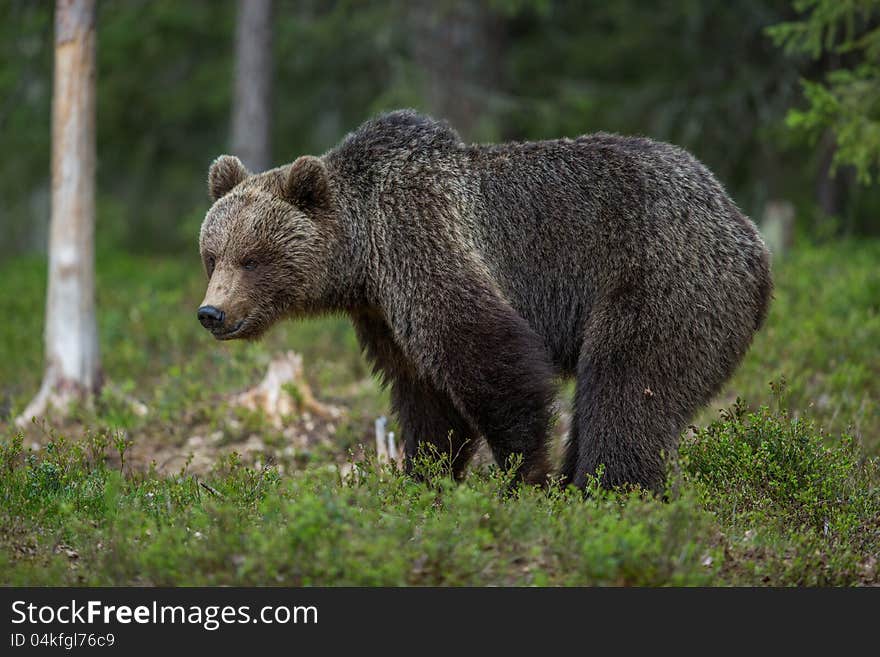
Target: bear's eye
x=250 y=264
x=210 y=263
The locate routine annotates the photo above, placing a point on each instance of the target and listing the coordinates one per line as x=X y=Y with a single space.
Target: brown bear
x=477 y=275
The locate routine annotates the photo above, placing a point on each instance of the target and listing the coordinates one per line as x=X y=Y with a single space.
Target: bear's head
x=265 y=245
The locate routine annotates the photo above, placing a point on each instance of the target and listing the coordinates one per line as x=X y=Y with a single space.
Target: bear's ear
x=225 y=173
x=306 y=185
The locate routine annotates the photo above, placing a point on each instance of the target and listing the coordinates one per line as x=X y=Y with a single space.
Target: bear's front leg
x=470 y=343
x=426 y=414
x=428 y=417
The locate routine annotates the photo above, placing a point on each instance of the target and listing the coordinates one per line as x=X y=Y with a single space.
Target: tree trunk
x=457 y=47
x=71 y=356
x=251 y=112
x=826 y=186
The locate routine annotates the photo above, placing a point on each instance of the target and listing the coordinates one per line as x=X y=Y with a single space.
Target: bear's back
x=562 y=224
x=390 y=139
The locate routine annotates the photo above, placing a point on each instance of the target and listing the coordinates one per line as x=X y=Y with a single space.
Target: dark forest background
x=713 y=76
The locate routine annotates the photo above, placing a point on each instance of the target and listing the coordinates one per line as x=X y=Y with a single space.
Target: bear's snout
x=211 y=317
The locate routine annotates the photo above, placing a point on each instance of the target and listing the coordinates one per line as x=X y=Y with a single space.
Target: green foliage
x=772 y=464
x=823 y=336
x=164 y=89
x=695 y=73
x=375 y=528
x=847 y=102
x=769 y=474
x=25 y=112
x=700 y=74
x=762 y=500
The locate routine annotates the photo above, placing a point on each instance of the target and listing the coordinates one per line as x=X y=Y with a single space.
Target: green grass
x=783 y=491
x=822 y=337
x=760 y=500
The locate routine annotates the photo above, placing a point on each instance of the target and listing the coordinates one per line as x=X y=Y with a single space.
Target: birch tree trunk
x=71 y=337
x=251 y=111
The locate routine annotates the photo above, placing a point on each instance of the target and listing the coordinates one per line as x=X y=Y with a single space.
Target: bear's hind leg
x=637 y=388
x=646 y=365
x=622 y=426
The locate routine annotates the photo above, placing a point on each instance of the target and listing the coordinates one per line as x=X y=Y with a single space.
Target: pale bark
x=71 y=337
x=273 y=398
x=251 y=111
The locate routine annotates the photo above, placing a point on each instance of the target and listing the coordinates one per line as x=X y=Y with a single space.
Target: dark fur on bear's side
x=476 y=275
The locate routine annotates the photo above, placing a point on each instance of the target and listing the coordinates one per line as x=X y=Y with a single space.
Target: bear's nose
x=211 y=317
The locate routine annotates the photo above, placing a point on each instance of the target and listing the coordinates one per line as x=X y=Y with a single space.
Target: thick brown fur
x=477 y=275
